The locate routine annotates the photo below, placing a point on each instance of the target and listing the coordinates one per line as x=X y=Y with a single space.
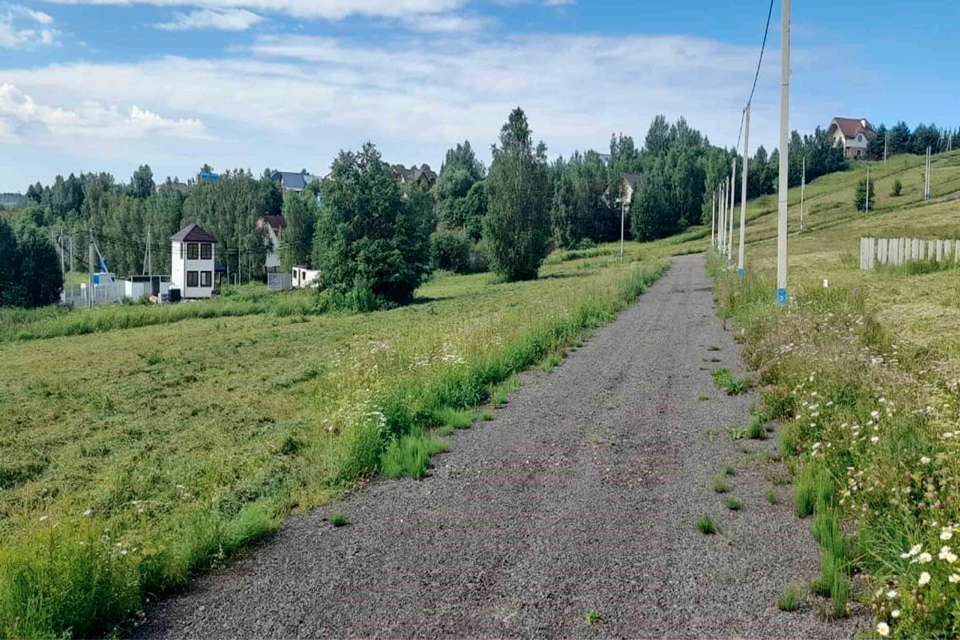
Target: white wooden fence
x=899 y=251
x=279 y=281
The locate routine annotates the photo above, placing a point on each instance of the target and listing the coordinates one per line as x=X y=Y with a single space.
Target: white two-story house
x=192 y=262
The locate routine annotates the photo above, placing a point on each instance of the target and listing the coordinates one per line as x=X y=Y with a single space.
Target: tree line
x=903 y=140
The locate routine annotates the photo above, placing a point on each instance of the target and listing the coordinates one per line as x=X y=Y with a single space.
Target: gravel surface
x=583 y=494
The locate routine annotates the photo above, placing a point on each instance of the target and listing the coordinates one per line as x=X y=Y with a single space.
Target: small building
x=852 y=135
x=275 y=226
x=424 y=175
x=192 y=262
x=304 y=277
x=290 y=181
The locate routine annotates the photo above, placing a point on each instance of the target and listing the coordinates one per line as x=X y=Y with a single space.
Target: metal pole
x=622 y=214
x=63 y=272
x=149 y=259
x=730 y=222
x=723 y=224
x=90 y=277
x=73 y=292
x=733 y=190
x=784 y=153
x=743 y=191
x=713 y=214
x=803 y=186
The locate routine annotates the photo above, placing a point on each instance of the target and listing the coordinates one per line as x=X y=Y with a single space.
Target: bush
x=897 y=188
x=861 y=197
x=450 y=250
x=370 y=235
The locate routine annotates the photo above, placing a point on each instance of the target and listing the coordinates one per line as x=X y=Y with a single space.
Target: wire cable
x=756 y=76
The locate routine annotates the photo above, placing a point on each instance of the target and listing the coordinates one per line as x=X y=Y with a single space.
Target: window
x=192 y=277
x=206 y=278
x=206 y=251
x=181 y=251
x=193 y=251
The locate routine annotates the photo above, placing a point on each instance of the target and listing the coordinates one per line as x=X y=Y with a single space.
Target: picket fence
x=899 y=251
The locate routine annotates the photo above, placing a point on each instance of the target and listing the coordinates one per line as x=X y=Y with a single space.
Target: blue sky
x=90 y=85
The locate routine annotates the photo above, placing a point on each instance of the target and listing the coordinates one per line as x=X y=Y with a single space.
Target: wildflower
x=895 y=613
x=875 y=439
x=892 y=594
x=816 y=445
x=924 y=579
x=87 y=513
x=946 y=533
x=944 y=552
x=42 y=518
x=123 y=552
x=883 y=629
x=914 y=550
x=874 y=414
x=924 y=558
x=954 y=578
x=924 y=460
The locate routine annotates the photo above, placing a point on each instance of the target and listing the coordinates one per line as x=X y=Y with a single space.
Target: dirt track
x=583 y=493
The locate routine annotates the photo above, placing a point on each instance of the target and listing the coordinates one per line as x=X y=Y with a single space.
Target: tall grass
x=66 y=575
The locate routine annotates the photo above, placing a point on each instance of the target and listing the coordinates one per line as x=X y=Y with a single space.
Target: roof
x=414 y=174
x=850 y=127
x=276 y=222
x=192 y=233
x=633 y=179
x=293 y=181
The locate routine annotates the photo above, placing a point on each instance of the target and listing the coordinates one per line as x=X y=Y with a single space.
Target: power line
x=756 y=76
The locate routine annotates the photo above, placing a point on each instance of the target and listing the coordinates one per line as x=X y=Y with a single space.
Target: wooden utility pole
x=784 y=153
x=743 y=190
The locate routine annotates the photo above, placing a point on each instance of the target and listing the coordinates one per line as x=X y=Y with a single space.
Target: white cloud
x=24 y=120
x=14 y=37
x=447 y=23
x=230 y=20
x=326 y=9
x=295 y=101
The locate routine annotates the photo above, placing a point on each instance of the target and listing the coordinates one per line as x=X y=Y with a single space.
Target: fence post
x=904 y=249
x=939 y=251
x=863 y=253
x=871 y=252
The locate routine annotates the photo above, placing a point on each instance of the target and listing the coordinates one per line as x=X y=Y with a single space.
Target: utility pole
x=730 y=223
x=720 y=229
x=868 y=189
x=743 y=191
x=713 y=214
x=150 y=259
x=63 y=272
x=803 y=186
x=784 y=153
x=73 y=293
x=926 y=177
x=733 y=190
x=90 y=278
x=622 y=214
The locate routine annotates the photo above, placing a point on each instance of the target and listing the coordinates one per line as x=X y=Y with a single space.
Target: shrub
x=450 y=250
x=897 y=188
x=706 y=525
x=790 y=598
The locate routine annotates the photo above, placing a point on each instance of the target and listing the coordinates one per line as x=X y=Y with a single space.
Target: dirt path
x=583 y=493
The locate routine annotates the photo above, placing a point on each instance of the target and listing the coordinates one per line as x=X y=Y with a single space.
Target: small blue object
x=740 y=273
x=782 y=297
x=729 y=262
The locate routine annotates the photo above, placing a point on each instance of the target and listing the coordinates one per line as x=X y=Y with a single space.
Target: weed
x=733 y=504
x=713 y=348
x=791 y=598
x=487 y=416
x=703 y=397
x=720 y=484
x=710 y=433
x=500 y=392
x=550 y=361
x=410 y=455
x=592 y=617
x=755 y=426
x=730 y=470
x=771 y=496
x=337 y=519
x=736 y=433
x=706 y=525
x=732 y=386
x=456 y=418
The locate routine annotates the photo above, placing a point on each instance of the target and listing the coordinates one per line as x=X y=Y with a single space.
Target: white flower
x=892 y=594
x=924 y=460
x=42 y=518
x=883 y=629
x=895 y=613
x=924 y=558
x=874 y=414
x=914 y=550
x=954 y=578
x=87 y=513
x=924 y=579
x=875 y=439
x=946 y=533
x=816 y=445
x=124 y=552
x=944 y=552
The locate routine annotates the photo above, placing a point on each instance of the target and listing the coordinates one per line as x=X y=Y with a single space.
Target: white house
x=192 y=262
x=852 y=135
x=304 y=277
x=275 y=226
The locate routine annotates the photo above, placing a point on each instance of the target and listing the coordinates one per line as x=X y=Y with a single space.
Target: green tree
x=650 y=215
x=459 y=172
x=368 y=236
x=517 y=225
x=658 y=139
x=899 y=139
x=141 y=182
x=39 y=267
x=475 y=209
x=10 y=281
x=300 y=212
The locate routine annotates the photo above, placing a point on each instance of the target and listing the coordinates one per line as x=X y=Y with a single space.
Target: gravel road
x=583 y=494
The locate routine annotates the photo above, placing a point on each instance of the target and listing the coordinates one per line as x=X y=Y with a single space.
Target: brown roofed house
x=852 y=135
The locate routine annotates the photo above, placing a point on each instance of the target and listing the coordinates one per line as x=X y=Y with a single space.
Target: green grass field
x=132 y=458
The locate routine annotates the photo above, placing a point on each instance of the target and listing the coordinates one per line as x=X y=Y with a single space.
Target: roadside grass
x=194 y=439
x=731 y=385
x=500 y=392
x=733 y=504
x=486 y=416
x=550 y=361
x=791 y=598
x=771 y=496
x=592 y=617
x=456 y=418
x=337 y=519
x=720 y=484
x=730 y=470
x=703 y=397
x=706 y=525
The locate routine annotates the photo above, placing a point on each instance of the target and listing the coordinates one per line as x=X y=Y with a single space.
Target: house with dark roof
x=192 y=262
x=290 y=181
x=852 y=135
x=424 y=175
x=274 y=226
